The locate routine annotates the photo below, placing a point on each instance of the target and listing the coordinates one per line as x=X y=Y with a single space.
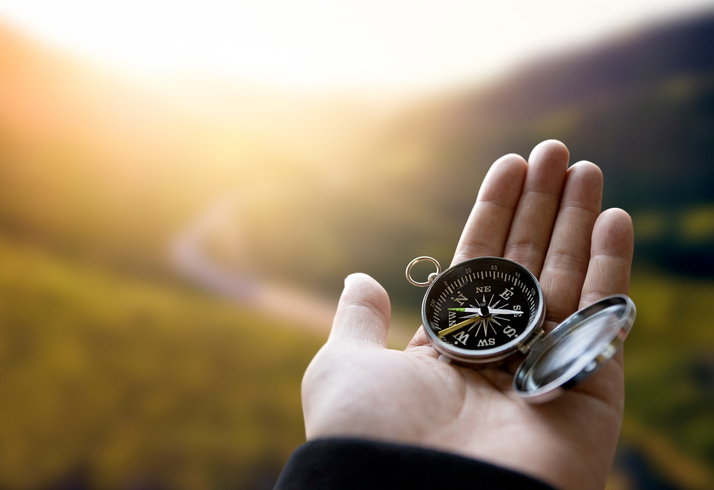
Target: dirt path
x=298 y=306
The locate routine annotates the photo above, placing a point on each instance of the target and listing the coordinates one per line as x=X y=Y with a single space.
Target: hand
x=546 y=217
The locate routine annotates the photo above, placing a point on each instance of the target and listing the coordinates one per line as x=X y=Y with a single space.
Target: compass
x=488 y=311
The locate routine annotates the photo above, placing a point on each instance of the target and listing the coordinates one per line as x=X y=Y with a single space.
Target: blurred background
x=184 y=186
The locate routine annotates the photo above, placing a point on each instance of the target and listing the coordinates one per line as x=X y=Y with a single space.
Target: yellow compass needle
x=456 y=327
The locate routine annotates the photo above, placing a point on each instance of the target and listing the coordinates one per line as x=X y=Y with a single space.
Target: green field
x=670 y=378
x=117 y=381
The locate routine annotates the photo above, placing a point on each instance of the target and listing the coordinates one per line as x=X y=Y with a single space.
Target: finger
x=535 y=215
x=487 y=227
x=610 y=257
x=610 y=261
x=363 y=312
x=566 y=262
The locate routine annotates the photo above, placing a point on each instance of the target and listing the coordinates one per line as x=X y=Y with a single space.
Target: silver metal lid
x=575 y=349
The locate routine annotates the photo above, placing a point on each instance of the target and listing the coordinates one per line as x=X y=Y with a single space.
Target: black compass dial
x=483 y=304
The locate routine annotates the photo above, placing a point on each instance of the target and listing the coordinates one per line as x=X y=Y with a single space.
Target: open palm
x=546 y=217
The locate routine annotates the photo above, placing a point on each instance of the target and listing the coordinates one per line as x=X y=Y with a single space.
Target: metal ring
x=431 y=277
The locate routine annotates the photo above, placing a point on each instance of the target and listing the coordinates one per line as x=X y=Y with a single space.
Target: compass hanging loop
x=429 y=279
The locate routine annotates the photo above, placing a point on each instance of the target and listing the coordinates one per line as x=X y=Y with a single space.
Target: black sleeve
x=345 y=464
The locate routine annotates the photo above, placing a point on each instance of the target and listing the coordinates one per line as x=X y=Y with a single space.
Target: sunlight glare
x=363 y=45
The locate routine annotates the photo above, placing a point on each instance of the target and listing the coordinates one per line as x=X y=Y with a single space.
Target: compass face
x=483 y=309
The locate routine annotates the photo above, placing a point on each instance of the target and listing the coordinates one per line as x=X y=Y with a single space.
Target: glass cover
x=575 y=349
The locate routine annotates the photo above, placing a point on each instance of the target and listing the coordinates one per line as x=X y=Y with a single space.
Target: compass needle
x=458 y=326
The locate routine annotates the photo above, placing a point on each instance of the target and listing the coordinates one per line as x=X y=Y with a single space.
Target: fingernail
x=348 y=279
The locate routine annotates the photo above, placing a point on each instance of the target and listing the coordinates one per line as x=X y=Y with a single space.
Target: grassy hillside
x=670 y=378
x=120 y=383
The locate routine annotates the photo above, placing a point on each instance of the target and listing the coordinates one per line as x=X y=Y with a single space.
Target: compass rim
x=497 y=353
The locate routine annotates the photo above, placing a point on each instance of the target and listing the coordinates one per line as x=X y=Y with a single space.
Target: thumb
x=363 y=312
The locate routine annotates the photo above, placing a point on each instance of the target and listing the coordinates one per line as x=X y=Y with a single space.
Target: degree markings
x=459 y=282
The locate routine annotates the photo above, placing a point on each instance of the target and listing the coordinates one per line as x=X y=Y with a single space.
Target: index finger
x=487 y=228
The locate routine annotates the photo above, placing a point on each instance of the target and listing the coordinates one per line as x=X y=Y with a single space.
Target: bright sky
x=362 y=45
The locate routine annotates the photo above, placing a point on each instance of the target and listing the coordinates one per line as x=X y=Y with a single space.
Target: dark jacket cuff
x=343 y=463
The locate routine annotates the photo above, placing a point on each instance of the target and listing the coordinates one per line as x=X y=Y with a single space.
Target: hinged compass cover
x=575 y=349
